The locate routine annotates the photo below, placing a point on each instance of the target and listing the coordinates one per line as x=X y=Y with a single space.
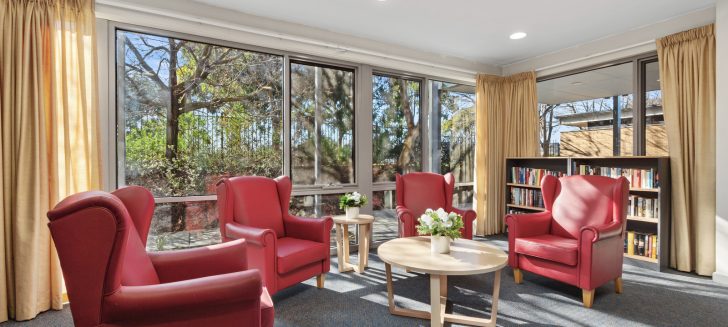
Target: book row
x=526 y=197
x=641 y=244
x=638 y=178
x=643 y=207
x=531 y=176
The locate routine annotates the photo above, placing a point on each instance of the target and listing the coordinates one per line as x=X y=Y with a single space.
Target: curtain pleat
x=49 y=140
x=687 y=78
x=506 y=125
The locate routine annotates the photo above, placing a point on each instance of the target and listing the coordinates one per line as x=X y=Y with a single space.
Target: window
x=192 y=111
x=656 y=136
x=396 y=130
x=322 y=125
x=595 y=112
x=186 y=108
x=454 y=105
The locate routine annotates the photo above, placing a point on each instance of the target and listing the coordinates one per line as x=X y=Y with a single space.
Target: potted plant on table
x=443 y=226
x=351 y=202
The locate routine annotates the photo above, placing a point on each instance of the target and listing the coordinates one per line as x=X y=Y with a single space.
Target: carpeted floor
x=649 y=299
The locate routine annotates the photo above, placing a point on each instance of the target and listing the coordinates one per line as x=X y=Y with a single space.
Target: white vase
x=352 y=212
x=439 y=244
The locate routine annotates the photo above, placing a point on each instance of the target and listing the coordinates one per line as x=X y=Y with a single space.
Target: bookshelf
x=648 y=211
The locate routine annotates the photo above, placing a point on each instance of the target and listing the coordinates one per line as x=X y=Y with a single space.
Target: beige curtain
x=506 y=125
x=687 y=77
x=49 y=149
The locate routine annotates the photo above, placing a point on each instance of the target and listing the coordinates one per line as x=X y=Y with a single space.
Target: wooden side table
x=466 y=257
x=342 y=241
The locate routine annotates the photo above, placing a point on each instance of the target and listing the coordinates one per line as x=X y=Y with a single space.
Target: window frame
x=288 y=158
x=639 y=62
x=423 y=123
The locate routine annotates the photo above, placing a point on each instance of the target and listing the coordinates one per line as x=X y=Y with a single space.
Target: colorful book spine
x=531 y=176
x=642 y=244
x=526 y=197
x=638 y=178
x=639 y=206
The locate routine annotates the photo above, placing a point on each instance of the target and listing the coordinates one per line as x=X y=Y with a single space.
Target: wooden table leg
x=342 y=248
x=393 y=308
x=443 y=286
x=496 y=294
x=472 y=321
x=345 y=235
x=436 y=314
x=363 y=246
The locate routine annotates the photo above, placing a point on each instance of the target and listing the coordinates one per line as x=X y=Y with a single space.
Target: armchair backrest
x=95 y=237
x=420 y=191
x=255 y=201
x=583 y=200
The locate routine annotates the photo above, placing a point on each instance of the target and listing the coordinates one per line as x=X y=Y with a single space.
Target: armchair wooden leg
x=320 y=280
x=587 y=297
x=618 y=285
x=518 y=275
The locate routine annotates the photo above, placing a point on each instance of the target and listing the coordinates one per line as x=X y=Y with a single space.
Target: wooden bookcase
x=659 y=225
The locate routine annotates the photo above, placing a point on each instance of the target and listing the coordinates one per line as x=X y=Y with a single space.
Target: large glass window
x=322 y=125
x=186 y=109
x=588 y=113
x=396 y=130
x=454 y=104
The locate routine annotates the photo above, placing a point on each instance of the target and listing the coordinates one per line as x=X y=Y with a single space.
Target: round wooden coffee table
x=466 y=257
x=342 y=241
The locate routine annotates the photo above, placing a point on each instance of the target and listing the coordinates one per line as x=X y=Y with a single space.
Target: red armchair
x=416 y=192
x=286 y=249
x=112 y=280
x=579 y=239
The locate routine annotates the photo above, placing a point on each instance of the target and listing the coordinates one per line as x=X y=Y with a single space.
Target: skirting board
x=720 y=278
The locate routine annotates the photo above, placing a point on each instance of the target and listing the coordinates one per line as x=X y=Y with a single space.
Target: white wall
x=721 y=155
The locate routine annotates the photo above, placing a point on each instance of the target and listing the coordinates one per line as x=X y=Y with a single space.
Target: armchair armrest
x=168 y=300
x=405 y=215
x=525 y=225
x=407 y=222
x=257 y=237
x=597 y=233
x=317 y=230
x=173 y=266
x=468 y=217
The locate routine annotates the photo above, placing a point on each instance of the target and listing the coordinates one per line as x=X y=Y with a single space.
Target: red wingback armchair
x=285 y=248
x=416 y=192
x=113 y=281
x=579 y=239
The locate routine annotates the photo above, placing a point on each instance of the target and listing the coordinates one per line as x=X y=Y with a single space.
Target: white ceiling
x=476 y=30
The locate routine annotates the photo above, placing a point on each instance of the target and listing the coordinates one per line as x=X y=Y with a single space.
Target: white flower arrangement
x=440 y=223
x=352 y=200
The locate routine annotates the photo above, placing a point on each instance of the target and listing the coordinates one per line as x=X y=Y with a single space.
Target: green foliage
x=440 y=223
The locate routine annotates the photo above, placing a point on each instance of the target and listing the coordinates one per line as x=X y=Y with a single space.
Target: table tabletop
x=466 y=257
x=359 y=220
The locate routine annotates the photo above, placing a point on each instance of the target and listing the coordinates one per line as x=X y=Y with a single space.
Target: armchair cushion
x=293 y=253
x=549 y=247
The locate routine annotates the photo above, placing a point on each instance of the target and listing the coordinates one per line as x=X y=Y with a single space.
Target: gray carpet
x=649 y=299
